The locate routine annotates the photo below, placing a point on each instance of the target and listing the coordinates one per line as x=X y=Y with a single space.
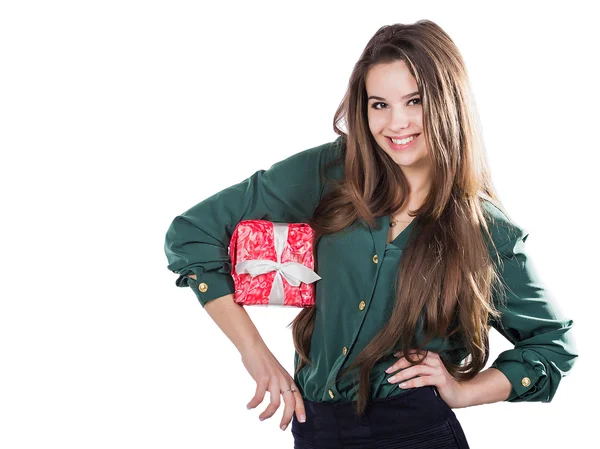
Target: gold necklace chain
x=393 y=221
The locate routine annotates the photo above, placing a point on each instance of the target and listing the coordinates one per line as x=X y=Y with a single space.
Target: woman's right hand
x=268 y=373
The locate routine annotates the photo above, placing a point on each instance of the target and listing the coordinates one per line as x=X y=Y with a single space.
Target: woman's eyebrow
x=373 y=97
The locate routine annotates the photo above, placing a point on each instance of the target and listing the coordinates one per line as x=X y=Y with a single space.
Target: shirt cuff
x=522 y=377
x=207 y=285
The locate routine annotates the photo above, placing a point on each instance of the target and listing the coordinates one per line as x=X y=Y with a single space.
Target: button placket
x=362 y=305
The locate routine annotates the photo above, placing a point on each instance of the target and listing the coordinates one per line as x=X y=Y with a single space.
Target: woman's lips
x=401 y=147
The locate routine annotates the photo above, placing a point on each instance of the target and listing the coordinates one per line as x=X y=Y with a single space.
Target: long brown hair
x=446 y=269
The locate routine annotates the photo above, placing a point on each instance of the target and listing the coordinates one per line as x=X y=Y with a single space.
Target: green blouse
x=358 y=269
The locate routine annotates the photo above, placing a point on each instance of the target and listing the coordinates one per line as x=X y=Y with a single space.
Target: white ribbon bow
x=294 y=272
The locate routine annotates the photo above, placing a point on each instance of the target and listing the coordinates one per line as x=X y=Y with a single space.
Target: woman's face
x=394 y=111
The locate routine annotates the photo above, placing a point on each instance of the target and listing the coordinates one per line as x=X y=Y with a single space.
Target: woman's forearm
x=235 y=322
x=487 y=387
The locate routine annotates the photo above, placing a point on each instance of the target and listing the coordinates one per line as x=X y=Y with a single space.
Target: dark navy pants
x=417 y=419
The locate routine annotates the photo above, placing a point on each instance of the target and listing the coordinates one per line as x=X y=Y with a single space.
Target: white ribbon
x=294 y=272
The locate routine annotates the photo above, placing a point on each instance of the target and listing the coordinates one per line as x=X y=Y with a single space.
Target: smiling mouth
x=397 y=147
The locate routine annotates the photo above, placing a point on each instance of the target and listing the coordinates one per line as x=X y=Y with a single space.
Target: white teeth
x=403 y=141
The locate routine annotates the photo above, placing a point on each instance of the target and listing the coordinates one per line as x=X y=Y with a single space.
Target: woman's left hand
x=431 y=372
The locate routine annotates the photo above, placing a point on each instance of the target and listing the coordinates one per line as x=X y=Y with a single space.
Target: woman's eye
x=374 y=105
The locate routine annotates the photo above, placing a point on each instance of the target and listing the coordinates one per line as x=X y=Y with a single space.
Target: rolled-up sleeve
x=197 y=241
x=544 y=347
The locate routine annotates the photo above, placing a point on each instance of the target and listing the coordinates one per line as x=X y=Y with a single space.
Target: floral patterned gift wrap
x=273 y=264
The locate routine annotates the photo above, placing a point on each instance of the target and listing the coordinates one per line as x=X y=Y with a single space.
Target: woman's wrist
x=487 y=387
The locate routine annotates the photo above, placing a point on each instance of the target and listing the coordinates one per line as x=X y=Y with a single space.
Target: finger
x=397 y=365
x=300 y=409
x=434 y=359
x=275 y=393
x=414 y=355
x=410 y=351
x=428 y=357
x=289 y=401
x=401 y=363
x=420 y=382
x=259 y=395
x=409 y=373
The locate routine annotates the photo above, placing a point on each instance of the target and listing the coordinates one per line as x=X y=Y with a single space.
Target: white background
x=116 y=116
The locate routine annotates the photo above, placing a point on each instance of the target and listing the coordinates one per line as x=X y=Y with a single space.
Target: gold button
x=375 y=258
x=345 y=350
x=362 y=305
x=331 y=394
x=526 y=381
x=202 y=287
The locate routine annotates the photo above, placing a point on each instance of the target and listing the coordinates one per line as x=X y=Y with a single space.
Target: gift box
x=272 y=264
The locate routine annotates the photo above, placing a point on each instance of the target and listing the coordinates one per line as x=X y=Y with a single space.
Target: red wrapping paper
x=273 y=264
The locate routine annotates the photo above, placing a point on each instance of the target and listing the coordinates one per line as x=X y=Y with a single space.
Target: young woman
x=417 y=258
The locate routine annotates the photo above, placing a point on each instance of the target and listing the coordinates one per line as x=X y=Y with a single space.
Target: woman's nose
x=399 y=120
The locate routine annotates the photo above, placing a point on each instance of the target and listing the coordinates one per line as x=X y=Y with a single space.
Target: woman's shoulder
x=504 y=230
x=339 y=148
x=336 y=153
x=328 y=153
